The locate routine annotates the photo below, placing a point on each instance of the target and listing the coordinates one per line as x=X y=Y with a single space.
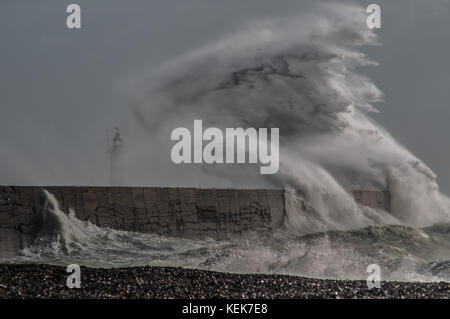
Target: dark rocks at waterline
x=45 y=281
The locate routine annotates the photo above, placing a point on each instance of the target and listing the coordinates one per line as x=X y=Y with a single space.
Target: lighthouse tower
x=116 y=159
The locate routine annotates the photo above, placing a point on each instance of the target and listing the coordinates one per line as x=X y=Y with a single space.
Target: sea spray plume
x=64 y=231
x=404 y=253
x=64 y=239
x=298 y=74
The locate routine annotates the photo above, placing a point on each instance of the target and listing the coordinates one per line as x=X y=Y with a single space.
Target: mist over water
x=403 y=253
x=299 y=75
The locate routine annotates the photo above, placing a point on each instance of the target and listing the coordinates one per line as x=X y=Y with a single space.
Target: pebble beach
x=47 y=281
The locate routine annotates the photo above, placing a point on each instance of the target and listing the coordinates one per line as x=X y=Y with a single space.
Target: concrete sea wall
x=373 y=198
x=185 y=212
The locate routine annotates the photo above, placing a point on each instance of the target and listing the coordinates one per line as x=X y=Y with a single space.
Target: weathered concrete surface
x=373 y=198
x=19 y=219
x=185 y=212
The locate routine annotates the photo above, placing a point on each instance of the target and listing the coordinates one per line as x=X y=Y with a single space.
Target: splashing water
x=404 y=253
x=64 y=237
x=298 y=75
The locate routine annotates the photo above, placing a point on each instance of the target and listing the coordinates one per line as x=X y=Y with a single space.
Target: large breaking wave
x=298 y=75
x=403 y=253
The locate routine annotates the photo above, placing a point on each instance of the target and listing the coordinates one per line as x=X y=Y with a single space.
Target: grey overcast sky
x=60 y=89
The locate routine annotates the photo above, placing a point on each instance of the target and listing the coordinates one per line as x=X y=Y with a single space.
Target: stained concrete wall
x=186 y=212
x=373 y=198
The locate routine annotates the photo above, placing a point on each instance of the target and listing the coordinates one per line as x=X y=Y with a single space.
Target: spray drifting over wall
x=299 y=75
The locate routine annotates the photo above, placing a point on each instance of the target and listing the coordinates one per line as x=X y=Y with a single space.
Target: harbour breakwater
x=181 y=212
